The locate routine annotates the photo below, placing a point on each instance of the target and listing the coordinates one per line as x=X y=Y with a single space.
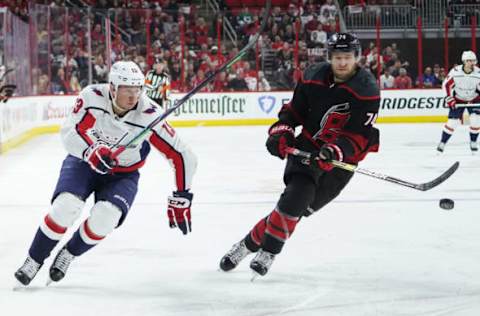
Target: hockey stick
x=140 y=136
x=353 y=168
x=467 y=105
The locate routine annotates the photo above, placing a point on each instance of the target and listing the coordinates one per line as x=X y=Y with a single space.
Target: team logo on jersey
x=266 y=103
x=150 y=110
x=333 y=122
x=102 y=137
x=97 y=92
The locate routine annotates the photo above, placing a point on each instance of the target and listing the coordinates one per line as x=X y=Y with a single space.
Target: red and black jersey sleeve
x=294 y=112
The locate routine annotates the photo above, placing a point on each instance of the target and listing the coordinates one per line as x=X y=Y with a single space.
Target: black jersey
x=338 y=113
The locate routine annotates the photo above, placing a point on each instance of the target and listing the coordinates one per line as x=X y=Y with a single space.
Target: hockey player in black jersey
x=335 y=104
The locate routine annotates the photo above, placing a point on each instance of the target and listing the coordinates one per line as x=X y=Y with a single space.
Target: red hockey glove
x=99 y=157
x=451 y=102
x=327 y=153
x=280 y=137
x=179 y=211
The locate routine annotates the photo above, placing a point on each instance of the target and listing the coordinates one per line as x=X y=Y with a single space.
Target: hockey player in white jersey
x=104 y=115
x=462 y=87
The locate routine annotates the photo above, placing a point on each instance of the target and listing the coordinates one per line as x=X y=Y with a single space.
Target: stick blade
x=440 y=179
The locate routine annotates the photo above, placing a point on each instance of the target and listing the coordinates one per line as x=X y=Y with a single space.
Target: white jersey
x=93 y=120
x=463 y=87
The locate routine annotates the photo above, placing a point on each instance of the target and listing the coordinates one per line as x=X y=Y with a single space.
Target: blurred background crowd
x=72 y=43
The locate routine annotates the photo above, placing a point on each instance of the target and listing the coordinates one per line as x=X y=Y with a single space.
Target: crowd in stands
x=377 y=2
x=150 y=36
x=18 y=7
x=397 y=72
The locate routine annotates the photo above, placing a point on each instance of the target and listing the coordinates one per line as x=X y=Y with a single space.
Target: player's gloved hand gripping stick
x=354 y=168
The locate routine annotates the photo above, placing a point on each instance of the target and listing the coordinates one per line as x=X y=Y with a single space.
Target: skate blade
x=49 y=281
x=18 y=286
x=255 y=276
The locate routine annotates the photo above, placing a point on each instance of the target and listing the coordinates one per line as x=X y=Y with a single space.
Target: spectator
x=391 y=62
x=329 y=9
x=237 y=82
x=289 y=35
x=325 y=17
x=58 y=84
x=43 y=85
x=386 y=80
x=395 y=49
x=96 y=33
x=244 y=18
x=387 y=54
x=198 y=78
x=201 y=32
x=277 y=44
x=441 y=76
x=395 y=70
x=312 y=24
x=221 y=84
x=75 y=86
x=318 y=37
x=427 y=80
x=308 y=15
x=250 y=77
x=100 y=70
x=403 y=81
x=263 y=84
x=436 y=73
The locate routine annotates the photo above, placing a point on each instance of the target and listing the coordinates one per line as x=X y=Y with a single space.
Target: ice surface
x=379 y=249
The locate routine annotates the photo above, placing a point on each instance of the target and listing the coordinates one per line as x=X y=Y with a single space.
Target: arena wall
x=22 y=118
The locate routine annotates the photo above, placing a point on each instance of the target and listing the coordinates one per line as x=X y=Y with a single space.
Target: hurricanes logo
x=266 y=103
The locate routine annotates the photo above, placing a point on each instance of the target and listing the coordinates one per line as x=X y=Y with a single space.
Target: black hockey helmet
x=343 y=42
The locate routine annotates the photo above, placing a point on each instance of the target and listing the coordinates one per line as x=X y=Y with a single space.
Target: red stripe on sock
x=449 y=128
x=54 y=226
x=91 y=234
x=258 y=231
x=281 y=225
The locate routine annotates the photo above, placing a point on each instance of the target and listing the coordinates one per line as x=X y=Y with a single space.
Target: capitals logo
x=266 y=103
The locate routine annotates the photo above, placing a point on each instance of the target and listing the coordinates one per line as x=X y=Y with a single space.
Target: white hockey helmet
x=469 y=55
x=126 y=73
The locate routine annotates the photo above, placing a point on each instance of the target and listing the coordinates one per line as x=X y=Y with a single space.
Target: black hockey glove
x=280 y=137
x=325 y=155
x=179 y=211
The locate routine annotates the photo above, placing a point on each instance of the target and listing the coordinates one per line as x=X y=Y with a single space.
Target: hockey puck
x=447 y=204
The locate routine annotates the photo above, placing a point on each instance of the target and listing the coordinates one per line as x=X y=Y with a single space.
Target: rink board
x=22 y=118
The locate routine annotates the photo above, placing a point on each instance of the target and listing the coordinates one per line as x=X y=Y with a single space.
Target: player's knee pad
x=474 y=121
x=104 y=218
x=451 y=125
x=66 y=208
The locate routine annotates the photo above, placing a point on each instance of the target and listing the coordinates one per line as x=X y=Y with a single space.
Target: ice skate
x=60 y=265
x=233 y=257
x=474 y=147
x=262 y=262
x=440 y=147
x=27 y=271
